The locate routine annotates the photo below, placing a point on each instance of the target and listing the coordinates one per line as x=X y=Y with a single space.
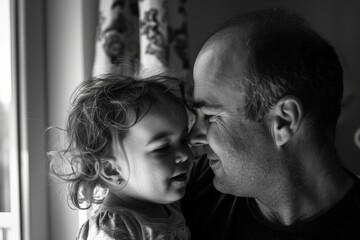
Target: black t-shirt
x=213 y=215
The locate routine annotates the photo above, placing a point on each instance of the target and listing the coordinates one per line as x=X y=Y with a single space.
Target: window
x=9 y=163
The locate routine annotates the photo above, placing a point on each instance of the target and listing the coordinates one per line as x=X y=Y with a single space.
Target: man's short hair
x=287 y=57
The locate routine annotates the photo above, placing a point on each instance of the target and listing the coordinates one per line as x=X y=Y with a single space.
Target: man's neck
x=298 y=200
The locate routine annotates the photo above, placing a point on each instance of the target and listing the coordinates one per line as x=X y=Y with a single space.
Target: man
x=267 y=91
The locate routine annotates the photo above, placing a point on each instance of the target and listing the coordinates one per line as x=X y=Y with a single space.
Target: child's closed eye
x=161 y=149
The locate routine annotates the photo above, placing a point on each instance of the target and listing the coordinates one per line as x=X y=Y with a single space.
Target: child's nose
x=184 y=155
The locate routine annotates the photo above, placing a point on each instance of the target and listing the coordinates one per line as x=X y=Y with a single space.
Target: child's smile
x=158 y=154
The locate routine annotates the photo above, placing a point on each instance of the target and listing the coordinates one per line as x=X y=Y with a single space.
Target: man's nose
x=197 y=135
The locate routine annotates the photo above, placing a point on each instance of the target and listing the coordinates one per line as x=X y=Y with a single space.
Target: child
x=129 y=136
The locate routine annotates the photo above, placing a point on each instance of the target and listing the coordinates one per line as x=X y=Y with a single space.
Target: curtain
x=151 y=32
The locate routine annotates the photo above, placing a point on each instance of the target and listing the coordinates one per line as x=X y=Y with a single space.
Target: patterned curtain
x=150 y=32
x=117 y=35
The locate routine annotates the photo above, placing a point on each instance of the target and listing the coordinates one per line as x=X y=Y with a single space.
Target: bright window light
x=9 y=167
x=5 y=50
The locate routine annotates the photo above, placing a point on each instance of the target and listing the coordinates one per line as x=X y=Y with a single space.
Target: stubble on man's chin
x=220 y=185
x=217 y=185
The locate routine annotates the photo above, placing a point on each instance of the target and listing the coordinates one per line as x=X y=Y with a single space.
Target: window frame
x=30 y=74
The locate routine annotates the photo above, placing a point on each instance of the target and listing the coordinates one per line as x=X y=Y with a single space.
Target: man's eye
x=208 y=117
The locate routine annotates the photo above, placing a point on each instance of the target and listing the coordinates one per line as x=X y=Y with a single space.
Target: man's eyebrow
x=204 y=104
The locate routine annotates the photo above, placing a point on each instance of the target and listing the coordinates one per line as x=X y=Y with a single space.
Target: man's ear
x=286 y=119
x=110 y=171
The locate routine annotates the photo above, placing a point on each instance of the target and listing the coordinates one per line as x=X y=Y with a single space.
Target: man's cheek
x=221 y=128
x=217 y=134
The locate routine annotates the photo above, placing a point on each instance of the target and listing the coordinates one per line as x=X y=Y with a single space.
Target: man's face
x=239 y=150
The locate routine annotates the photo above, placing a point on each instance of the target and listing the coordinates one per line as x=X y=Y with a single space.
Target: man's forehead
x=215 y=83
x=220 y=65
x=215 y=94
x=206 y=98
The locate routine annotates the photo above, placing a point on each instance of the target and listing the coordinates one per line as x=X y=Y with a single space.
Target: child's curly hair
x=100 y=109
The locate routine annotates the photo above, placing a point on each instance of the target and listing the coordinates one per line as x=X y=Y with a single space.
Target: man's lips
x=210 y=153
x=212 y=156
x=213 y=162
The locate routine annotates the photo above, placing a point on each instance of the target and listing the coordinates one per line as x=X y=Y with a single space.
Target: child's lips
x=182 y=177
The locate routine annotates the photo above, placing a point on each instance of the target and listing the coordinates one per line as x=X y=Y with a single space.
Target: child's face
x=158 y=155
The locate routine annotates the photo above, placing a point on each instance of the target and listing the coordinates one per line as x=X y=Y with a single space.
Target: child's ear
x=286 y=118
x=110 y=171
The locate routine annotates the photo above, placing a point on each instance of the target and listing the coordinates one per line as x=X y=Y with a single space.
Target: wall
x=337 y=20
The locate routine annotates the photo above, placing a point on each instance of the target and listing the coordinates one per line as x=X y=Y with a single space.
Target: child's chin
x=174 y=197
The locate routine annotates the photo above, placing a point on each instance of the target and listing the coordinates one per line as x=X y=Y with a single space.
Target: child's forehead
x=165 y=97
x=161 y=104
x=160 y=116
x=156 y=97
x=167 y=104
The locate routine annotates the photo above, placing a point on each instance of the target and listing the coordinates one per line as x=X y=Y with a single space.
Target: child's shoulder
x=123 y=223
x=110 y=223
x=118 y=217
